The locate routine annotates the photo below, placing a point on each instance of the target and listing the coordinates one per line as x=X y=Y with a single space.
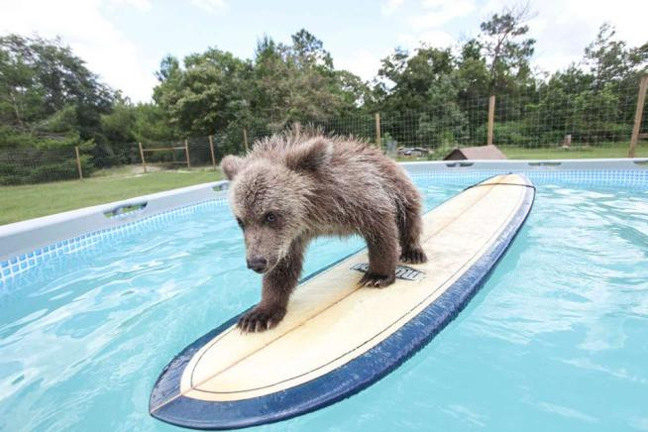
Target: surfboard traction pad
x=403 y=272
x=167 y=403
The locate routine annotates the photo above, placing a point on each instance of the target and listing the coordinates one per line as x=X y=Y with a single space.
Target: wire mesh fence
x=33 y=165
x=548 y=122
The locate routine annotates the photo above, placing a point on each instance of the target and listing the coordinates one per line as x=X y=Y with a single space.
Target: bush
x=30 y=165
x=505 y=134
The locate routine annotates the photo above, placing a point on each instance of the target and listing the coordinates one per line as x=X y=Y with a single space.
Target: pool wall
x=24 y=245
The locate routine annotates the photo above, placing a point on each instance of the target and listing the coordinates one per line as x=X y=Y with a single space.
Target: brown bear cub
x=294 y=187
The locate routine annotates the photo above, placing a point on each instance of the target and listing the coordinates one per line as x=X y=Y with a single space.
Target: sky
x=123 y=41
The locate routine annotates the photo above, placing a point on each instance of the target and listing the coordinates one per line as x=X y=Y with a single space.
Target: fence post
x=567 y=141
x=245 y=142
x=378 y=143
x=78 y=158
x=491 y=119
x=187 y=153
x=211 y=149
x=641 y=98
x=142 y=156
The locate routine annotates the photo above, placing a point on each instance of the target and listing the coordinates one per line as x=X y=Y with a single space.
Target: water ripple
x=554 y=341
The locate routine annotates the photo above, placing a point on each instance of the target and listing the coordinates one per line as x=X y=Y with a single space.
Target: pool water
x=556 y=340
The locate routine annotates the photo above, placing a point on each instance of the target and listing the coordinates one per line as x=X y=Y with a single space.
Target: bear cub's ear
x=231 y=165
x=310 y=155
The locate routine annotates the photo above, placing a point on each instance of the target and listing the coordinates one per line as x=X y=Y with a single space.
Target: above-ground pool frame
x=26 y=245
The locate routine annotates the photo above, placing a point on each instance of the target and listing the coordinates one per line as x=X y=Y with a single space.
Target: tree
x=356 y=94
x=421 y=106
x=48 y=99
x=413 y=77
x=611 y=61
x=472 y=72
x=298 y=82
x=39 y=79
x=204 y=95
x=508 y=57
x=309 y=52
x=217 y=92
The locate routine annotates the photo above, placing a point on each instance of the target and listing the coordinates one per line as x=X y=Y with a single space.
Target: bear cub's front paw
x=374 y=280
x=261 y=318
x=413 y=256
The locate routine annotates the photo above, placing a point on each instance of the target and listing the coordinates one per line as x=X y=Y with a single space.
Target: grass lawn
x=612 y=150
x=603 y=151
x=25 y=202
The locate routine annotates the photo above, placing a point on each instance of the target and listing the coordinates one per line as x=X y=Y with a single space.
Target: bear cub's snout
x=257 y=264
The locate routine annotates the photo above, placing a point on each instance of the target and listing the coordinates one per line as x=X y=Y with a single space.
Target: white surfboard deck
x=331 y=322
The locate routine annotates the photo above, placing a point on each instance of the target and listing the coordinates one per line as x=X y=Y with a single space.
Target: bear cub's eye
x=239 y=222
x=271 y=217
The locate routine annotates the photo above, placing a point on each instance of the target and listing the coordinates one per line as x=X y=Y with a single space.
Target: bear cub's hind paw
x=374 y=280
x=261 y=319
x=413 y=256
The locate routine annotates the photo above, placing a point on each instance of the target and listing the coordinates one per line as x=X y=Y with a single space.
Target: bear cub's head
x=270 y=195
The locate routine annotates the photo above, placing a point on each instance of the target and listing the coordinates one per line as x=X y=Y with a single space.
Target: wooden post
x=378 y=143
x=641 y=98
x=491 y=119
x=567 y=141
x=211 y=149
x=245 y=143
x=142 y=156
x=78 y=157
x=187 y=153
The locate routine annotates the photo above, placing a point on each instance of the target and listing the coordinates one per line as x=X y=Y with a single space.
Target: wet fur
x=317 y=185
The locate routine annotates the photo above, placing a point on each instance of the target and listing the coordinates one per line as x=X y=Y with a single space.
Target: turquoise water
x=556 y=340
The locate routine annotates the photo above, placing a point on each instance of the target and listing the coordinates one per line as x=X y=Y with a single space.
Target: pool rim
x=25 y=244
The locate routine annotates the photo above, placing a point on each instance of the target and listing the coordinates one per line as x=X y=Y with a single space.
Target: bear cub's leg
x=410 y=229
x=382 y=244
x=278 y=284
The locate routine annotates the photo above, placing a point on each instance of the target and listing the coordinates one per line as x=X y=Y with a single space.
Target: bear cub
x=296 y=186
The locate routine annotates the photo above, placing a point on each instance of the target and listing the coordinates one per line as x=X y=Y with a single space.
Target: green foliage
x=431 y=97
x=507 y=55
x=48 y=100
x=509 y=133
x=32 y=165
x=39 y=79
x=216 y=93
x=611 y=61
x=206 y=94
x=298 y=82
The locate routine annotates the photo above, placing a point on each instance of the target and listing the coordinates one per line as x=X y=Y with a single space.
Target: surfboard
x=337 y=338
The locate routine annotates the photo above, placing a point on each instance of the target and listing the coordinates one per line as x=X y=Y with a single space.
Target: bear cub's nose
x=257 y=264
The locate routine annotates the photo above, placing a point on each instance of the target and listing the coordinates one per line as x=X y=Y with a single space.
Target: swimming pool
x=556 y=339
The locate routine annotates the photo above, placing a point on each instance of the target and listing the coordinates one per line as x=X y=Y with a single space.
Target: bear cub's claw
x=413 y=256
x=261 y=319
x=374 y=280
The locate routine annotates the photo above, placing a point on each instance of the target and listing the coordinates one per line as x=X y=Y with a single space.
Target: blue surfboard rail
x=168 y=405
